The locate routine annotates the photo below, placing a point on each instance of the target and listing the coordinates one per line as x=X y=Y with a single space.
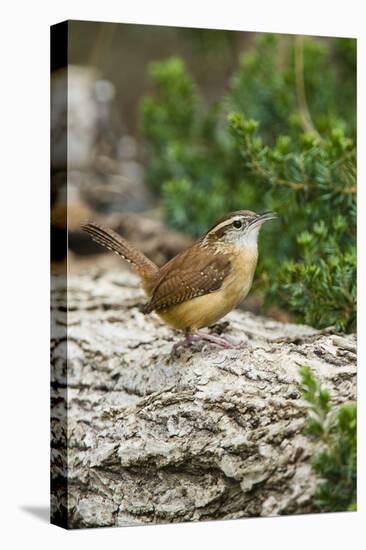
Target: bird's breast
x=208 y=309
x=239 y=281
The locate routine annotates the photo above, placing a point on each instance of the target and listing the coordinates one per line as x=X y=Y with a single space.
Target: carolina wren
x=202 y=284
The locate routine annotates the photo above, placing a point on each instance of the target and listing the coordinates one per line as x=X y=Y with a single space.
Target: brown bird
x=202 y=284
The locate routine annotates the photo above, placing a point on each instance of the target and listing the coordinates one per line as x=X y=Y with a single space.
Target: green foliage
x=311 y=185
x=171 y=118
x=335 y=462
x=191 y=162
x=266 y=86
x=281 y=139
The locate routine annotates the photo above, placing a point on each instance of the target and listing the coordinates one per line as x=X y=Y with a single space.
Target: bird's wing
x=188 y=275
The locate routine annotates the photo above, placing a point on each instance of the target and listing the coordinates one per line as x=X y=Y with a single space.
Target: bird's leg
x=184 y=342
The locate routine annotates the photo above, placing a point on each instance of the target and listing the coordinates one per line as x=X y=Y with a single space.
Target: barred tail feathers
x=115 y=243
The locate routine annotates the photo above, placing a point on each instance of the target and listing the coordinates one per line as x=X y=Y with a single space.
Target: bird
x=201 y=284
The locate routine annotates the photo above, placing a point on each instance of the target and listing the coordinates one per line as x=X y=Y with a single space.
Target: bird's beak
x=261 y=218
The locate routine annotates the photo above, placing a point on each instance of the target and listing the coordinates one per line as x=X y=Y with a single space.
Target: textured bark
x=210 y=434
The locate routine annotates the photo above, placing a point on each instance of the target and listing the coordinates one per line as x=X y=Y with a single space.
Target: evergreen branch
x=335 y=462
x=269 y=176
x=266 y=174
x=347 y=190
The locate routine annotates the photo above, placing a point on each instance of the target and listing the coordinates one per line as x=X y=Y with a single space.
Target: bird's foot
x=203 y=336
x=221 y=341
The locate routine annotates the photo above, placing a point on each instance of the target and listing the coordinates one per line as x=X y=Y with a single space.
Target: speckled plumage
x=187 y=276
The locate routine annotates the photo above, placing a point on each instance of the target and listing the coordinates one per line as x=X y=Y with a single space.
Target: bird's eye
x=237 y=224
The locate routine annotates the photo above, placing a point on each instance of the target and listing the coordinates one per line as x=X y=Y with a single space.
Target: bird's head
x=240 y=228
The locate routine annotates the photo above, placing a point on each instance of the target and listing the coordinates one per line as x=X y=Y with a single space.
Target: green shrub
x=281 y=139
x=335 y=462
x=312 y=186
x=273 y=77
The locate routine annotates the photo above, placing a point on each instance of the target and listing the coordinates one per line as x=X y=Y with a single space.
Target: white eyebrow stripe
x=225 y=223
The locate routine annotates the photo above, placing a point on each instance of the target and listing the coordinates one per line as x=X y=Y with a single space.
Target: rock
x=211 y=434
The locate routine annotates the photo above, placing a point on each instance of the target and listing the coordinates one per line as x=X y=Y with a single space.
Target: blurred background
x=170 y=128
